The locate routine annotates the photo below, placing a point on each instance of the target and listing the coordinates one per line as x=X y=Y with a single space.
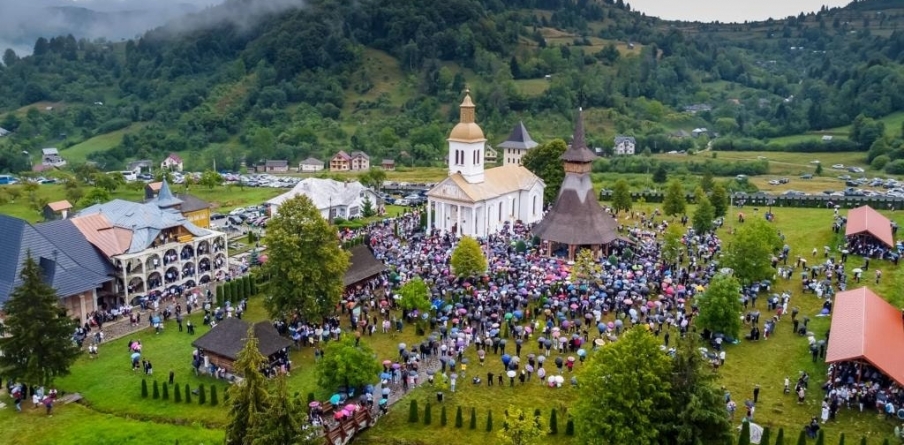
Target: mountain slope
x=385 y=76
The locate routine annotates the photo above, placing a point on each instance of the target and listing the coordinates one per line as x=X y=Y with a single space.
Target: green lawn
x=79 y=152
x=892 y=122
x=112 y=390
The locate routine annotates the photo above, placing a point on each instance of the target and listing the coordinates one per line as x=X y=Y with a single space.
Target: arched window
x=535 y=204
x=500 y=210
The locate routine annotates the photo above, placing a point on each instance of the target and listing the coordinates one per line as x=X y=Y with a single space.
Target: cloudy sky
x=729 y=10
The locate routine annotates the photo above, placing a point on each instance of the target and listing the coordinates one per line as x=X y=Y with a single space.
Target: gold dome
x=467 y=132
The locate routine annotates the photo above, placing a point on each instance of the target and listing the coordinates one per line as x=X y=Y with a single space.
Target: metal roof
x=70 y=264
x=324 y=193
x=866 y=327
x=165 y=198
x=144 y=220
x=519 y=139
x=866 y=220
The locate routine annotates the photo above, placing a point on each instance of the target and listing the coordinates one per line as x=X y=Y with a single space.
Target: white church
x=474 y=201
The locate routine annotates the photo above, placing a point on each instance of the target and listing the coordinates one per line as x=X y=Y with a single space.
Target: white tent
x=334 y=199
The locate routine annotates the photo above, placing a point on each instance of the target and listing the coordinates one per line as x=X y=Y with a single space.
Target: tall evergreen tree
x=249 y=400
x=780 y=437
x=37 y=335
x=621 y=196
x=744 y=438
x=284 y=420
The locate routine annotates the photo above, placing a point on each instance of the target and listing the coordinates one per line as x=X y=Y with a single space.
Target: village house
x=388 y=165
x=271 y=166
x=624 y=145
x=360 y=161
x=173 y=163
x=51 y=157
x=341 y=162
x=139 y=167
x=310 y=165
x=56 y=210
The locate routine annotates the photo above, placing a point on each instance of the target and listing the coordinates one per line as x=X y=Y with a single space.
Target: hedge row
x=236 y=290
x=177 y=393
x=414 y=416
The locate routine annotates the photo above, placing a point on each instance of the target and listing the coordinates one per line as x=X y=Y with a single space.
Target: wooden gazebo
x=222 y=343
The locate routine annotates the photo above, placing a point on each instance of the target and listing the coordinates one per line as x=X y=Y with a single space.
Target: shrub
x=412 y=412
x=880 y=162
x=553 y=422
x=247 y=284
x=473 y=424
x=569 y=428
x=745 y=434
x=821 y=438
x=177 y=395
x=187 y=393
x=841 y=439
x=202 y=395
x=766 y=438
x=490 y=420
x=459 y=420
x=144 y=388
x=442 y=416
x=428 y=415
x=165 y=391
x=221 y=294
x=213 y=396
x=156 y=391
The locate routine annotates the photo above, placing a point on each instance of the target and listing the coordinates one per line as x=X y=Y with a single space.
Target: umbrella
x=571 y=359
x=334 y=399
x=387 y=362
x=511 y=374
x=516 y=359
x=599 y=342
x=582 y=353
x=136 y=356
x=396 y=366
x=386 y=391
x=314 y=404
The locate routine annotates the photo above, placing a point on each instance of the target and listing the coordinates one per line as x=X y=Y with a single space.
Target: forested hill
x=244 y=82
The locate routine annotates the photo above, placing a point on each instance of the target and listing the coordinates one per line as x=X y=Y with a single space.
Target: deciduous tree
x=37 y=334
x=621 y=196
x=750 y=253
x=625 y=386
x=545 y=161
x=210 y=179
x=520 y=429
x=468 y=259
x=719 y=199
x=586 y=269
x=671 y=244
x=674 y=202
x=414 y=295
x=344 y=364
x=720 y=307
x=310 y=283
x=704 y=216
x=660 y=175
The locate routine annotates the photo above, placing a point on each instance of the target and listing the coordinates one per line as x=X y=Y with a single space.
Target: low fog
x=22 y=22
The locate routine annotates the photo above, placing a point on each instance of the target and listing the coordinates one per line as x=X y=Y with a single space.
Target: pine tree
x=473 y=423
x=246 y=282
x=537 y=414
x=187 y=393
x=490 y=420
x=165 y=395
x=442 y=416
x=802 y=438
x=553 y=422
x=412 y=412
x=144 y=388
x=459 y=420
x=863 y=440
x=177 y=394
x=155 y=393
x=428 y=414
x=213 y=396
x=841 y=439
x=744 y=439
x=821 y=439
x=202 y=394
x=674 y=202
x=249 y=400
x=36 y=327
x=285 y=419
x=569 y=428
x=220 y=295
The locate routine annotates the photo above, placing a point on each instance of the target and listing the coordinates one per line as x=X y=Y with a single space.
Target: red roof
x=174 y=157
x=866 y=220
x=866 y=327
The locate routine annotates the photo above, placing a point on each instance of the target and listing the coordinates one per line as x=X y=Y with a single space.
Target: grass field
x=109 y=386
x=893 y=123
x=78 y=153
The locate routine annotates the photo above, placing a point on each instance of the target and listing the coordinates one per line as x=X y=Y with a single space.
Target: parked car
x=838 y=166
x=806 y=176
x=238 y=211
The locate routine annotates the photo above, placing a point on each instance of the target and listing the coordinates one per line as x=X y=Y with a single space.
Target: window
x=500 y=211
x=535 y=204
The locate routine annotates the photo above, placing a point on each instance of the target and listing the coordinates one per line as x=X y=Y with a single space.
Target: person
x=19 y=401
x=48 y=403
x=756 y=393
x=787 y=385
x=825 y=411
